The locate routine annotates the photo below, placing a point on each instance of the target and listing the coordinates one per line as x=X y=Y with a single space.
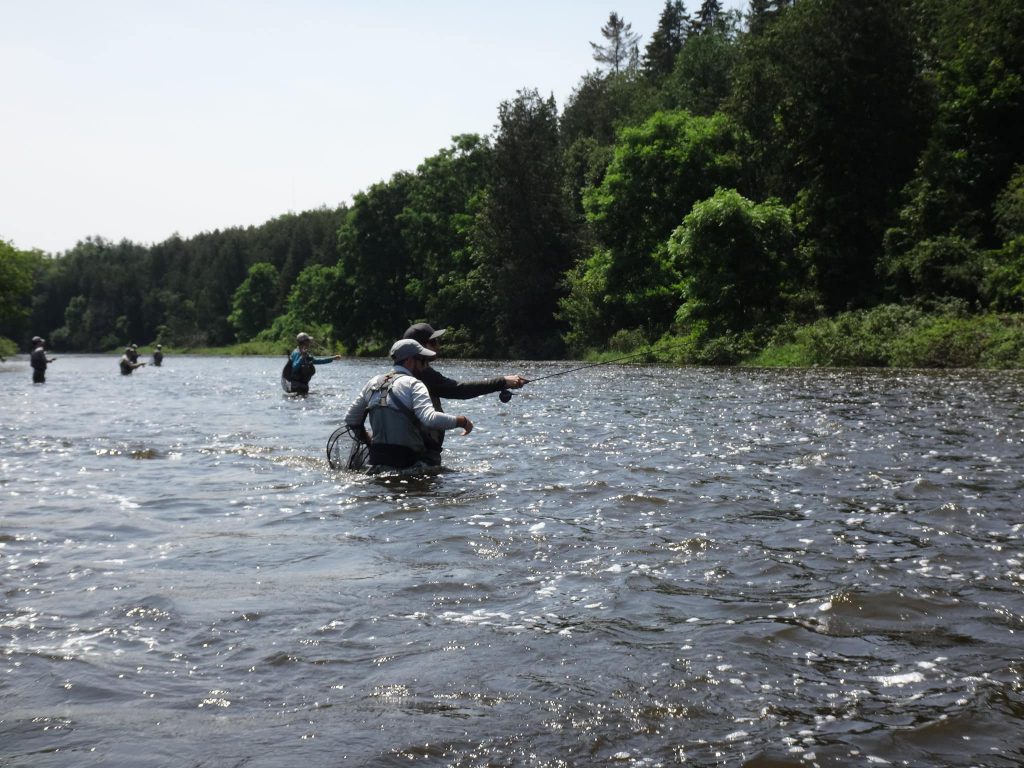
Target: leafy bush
x=7 y=347
x=858 y=338
x=901 y=336
x=987 y=341
x=624 y=341
x=699 y=347
x=737 y=259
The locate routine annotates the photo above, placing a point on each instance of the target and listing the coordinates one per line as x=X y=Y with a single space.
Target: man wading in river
x=398 y=405
x=39 y=360
x=439 y=385
x=303 y=365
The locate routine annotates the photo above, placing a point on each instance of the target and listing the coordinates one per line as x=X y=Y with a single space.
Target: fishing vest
x=38 y=358
x=396 y=434
x=305 y=371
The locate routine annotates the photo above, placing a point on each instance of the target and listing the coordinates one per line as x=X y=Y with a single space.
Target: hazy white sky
x=137 y=119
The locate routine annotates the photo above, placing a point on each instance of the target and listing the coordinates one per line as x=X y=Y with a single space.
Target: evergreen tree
x=524 y=236
x=710 y=18
x=376 y=265
x=832 y=98
x=620 y=50
x=702 y=79
x=759 y=16
x=947 y=223
x=667 y=40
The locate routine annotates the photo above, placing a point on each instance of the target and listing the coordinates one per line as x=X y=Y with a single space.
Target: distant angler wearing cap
x=39 y=360
x=399 y=409
x=439 y=385
x=304 y=364
x=129 y=361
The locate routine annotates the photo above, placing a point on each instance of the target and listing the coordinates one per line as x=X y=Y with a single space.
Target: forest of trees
x=819 y=180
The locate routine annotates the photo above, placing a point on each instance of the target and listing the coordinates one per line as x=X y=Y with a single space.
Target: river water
x=629 y=566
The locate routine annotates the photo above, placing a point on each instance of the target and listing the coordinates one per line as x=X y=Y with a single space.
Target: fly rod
x=506 y=394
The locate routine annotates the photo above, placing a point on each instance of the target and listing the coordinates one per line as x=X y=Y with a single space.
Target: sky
x=139 y=120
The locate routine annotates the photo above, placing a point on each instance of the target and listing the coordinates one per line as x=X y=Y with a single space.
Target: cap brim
x=438 y=333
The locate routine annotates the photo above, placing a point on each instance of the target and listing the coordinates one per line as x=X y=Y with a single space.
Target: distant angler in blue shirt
x=301 y=366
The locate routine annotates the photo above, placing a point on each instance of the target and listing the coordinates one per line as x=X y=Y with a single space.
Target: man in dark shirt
x=39 y=360
x=439 y=385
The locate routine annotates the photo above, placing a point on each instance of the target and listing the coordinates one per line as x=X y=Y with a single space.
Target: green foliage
x=437 y=225
x=309 y=307
x=738 y=263
x=7 y=347
x=523 y=237
x=16 y=283
x=316 y=292
x=832 y=96
x=859 y=338
x=252 y=305
x=582 y=308
x=406 y=251
x=702 y=78
x=667 y=40
x=1003 y=287
x=975 y=145
x=627 y=341
x=659 y=170
x=986 y=341
x=179 y=290
x=940 y=267
x=376 y=265
x=867 y=152
x=1009 y=207
x=682 y=349
x=782 y=355
x=698 y=346
x=901 y=336
x=602 y=104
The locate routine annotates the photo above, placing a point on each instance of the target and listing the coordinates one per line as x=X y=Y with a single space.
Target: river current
x=627 y=566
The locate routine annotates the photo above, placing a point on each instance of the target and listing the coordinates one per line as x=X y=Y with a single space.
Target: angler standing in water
x=39 y=360
x=129 y=362
x=439 y=385
x=158 y=355
x=301 y=366
x=399 y=408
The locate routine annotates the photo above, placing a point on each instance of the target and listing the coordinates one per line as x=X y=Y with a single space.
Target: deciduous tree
x=252 y=306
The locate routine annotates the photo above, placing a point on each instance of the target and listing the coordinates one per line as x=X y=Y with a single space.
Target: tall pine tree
x=667 y=40
x=710 y=18
x=524 y=235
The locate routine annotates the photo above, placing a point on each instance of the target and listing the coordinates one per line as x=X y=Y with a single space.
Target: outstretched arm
x=442 y=386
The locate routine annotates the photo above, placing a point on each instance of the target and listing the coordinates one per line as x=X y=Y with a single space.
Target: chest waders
x=304 y=372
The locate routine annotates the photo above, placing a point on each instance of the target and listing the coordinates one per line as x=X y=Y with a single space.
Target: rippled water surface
x=624 y=566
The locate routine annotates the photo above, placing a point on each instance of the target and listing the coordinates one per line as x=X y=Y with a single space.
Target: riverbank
x=887 y=336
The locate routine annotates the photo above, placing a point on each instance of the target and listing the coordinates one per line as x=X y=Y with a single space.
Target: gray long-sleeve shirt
x=408 y=390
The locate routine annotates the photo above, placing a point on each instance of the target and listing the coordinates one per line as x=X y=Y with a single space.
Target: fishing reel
x=505 y=395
